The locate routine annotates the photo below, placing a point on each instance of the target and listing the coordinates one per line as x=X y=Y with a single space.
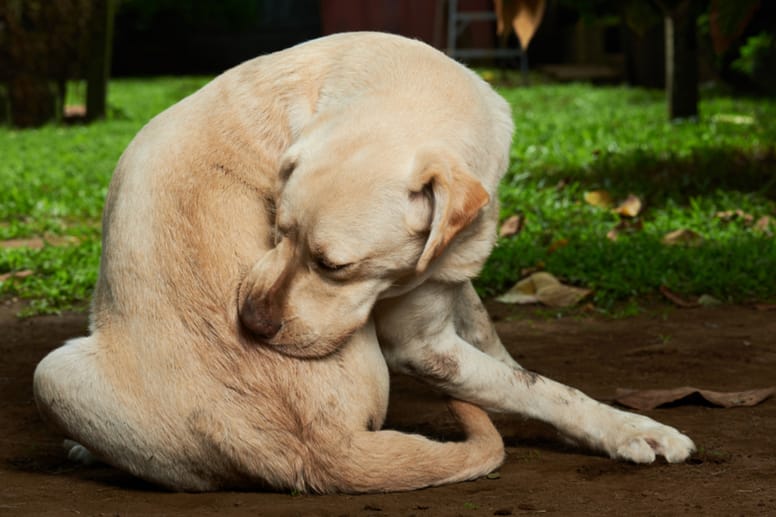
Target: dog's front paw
x=640 y=439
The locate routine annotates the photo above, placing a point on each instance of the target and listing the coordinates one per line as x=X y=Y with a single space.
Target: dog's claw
x=78 y=453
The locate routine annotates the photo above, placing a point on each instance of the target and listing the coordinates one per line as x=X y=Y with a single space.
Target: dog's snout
x=258 y=319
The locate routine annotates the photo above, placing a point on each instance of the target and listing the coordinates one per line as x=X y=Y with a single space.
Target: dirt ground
x=722 y=348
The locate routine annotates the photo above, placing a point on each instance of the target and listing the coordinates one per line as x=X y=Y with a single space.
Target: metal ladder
x=458 y=21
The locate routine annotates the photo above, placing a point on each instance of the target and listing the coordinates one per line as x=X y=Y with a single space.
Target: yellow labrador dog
x=276 y=240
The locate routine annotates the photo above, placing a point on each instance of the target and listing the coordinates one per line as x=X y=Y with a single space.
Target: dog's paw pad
x=78 y=453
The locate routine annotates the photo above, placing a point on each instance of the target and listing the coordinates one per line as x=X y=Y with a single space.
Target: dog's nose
x=257 y=318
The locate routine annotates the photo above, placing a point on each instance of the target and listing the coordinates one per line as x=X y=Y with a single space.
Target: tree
x=680 y=18
x=99 y=58
x=681 y=51
x=45 y=43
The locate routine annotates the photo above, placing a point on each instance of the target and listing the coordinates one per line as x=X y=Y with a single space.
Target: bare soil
x=721 y=348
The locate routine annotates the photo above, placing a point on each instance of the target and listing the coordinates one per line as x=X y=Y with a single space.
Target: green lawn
x=569 y=139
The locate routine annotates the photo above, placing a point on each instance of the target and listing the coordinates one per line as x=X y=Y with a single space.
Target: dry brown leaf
x=730 y=215
x=562 y=295
x=765 y=225
x=76 y=110
x=512 y=226
x=558 y=244
x=524 y=16
x=682 y=236
x=544 y=288
x=650 y=399
x=631 y=207
x=676 y=299
x=527 y=271
x=599 y=198
x=15 y=274
x=523 y=292
x=707 y=300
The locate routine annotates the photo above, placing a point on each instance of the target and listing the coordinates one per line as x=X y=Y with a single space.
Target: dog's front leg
x=418 y=334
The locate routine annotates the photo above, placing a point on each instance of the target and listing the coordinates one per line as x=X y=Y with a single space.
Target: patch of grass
x=569 y=139
x=54 y=180
x=573 y=138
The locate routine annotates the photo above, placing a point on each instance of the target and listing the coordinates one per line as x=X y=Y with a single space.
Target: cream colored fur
x=261 y=236
x=169 y=385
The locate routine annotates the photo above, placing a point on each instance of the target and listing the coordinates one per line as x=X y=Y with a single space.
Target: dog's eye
x=324 y=264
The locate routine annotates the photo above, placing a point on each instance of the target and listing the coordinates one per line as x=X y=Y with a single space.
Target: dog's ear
x=455 y=198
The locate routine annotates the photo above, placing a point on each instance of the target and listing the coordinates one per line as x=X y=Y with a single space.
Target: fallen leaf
x=682 y=236
x=708 y=301
x=526 y=271
x=631 y=207
x=544 y=288
x=730 y=215
x=558 y=244
x=676 y=299
x=740 y=120
x=512 y=226
x=15 y=274
x=524 y=18
x=650 y=399
x=599 y=198
x=764 y=225
x=78 y=110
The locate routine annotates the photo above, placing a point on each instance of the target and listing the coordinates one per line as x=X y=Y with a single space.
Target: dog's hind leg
x=379 y=461
x=101 y=421
x=69 y=394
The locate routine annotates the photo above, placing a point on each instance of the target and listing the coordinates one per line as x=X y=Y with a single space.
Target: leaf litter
x=542 y=287
x=512 y=226
x=651 y=399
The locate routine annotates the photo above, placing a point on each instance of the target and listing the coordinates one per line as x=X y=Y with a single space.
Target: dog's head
x=357 y=218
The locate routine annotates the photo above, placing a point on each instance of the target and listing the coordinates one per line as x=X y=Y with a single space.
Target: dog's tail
x=384 y=461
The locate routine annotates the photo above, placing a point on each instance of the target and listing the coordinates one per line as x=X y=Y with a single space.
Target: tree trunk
x=33 y=100
x=98 y=67
x=681 y=60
